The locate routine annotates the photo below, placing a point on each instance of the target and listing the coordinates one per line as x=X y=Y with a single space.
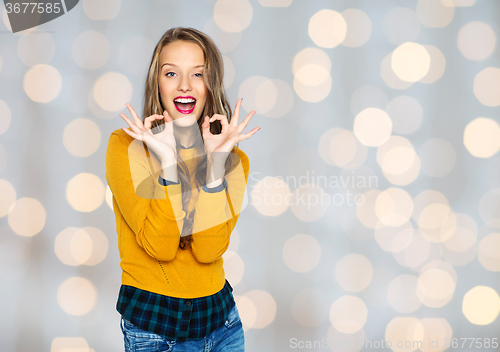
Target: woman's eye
x=173 y=73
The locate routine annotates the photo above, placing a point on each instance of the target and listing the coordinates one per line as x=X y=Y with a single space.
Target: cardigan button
x=188 y=303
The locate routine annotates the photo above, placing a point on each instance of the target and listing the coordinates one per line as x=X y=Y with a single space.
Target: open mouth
x=185 y=105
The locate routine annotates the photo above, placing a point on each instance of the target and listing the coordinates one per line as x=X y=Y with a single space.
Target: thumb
x=206 y=125
x=167 y=116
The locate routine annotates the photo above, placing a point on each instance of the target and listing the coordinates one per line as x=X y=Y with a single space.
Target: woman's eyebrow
x=167 y=63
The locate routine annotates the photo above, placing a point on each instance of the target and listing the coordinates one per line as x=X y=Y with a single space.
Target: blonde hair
x=216 y=103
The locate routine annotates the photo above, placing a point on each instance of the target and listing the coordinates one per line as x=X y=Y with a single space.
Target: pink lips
x=185 y=111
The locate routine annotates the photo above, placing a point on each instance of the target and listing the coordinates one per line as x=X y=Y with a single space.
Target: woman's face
x=182 y=89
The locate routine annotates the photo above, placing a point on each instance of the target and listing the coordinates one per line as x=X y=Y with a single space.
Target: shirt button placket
x=186 y=317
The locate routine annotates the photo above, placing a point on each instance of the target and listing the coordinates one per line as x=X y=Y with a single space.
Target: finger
x=205 y=126
x=132 y=125
x=135 y=116
x=222 y=119
x=245 y=122
x=168 y=118
x=248 y=134
x=149 y=120
x=132 y=134
x=236 y=115
x=169 y=124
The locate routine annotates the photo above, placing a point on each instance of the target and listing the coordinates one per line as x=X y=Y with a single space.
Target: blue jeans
x=228 y=338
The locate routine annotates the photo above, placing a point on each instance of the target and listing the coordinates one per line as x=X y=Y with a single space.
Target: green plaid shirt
x=175 y=318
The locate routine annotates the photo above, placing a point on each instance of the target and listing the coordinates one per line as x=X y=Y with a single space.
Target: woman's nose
x=184 y=85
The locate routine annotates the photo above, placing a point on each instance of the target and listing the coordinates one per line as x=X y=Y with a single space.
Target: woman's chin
x=185 y=120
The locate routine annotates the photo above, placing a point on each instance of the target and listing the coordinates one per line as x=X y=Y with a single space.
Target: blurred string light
x=8 y=198
x=42 y=83
x=488 y=254
x=70 y=344
x=354 y=272
x=410 y=62
x=435 y=14
x=348 y=314
x=111 y=91
x=436 y=284
x=372 y=127
x=481 y=305
x=487 y=86
x=271 y=196
x=314 y=208
x=301 y=253
x=226 y=41
x=270 y=97
x=85 y=192
x=422 y=233
x=275 y=3
x=458 y=3
x=97 y=10
x=327 y=28
x=393 y=207
x=311 y=69
x=470 y=47
x=265 y=308
x=482 y=137
x=235 y=269
x=26 y=216
x=77 y=296
x=398 y=160
x=109 y=197
x=247 y=311
x=86 y=246
x=359 y=28
x=82 y=137
x=233 y=15
x=339 y=147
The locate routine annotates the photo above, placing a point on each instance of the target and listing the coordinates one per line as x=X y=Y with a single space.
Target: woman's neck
x=187 y=136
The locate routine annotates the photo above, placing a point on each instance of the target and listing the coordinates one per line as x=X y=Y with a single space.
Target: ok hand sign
x=220 y=145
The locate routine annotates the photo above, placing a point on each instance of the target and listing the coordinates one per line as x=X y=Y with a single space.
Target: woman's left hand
x=218 y=146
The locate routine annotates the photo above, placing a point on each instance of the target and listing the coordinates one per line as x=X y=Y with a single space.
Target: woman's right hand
x=162 y=143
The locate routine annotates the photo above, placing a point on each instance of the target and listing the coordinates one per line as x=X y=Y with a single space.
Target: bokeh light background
x=403 y=93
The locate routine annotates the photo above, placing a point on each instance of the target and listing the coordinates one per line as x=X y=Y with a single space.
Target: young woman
x=178 y=181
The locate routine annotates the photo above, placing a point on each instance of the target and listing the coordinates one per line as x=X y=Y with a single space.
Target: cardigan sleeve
x=217 y=212
x=152 y=211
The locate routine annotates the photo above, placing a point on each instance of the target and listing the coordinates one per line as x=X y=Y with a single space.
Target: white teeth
x=184 y=100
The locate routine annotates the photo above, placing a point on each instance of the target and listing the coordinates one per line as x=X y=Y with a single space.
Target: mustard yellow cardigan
x=150 y=217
